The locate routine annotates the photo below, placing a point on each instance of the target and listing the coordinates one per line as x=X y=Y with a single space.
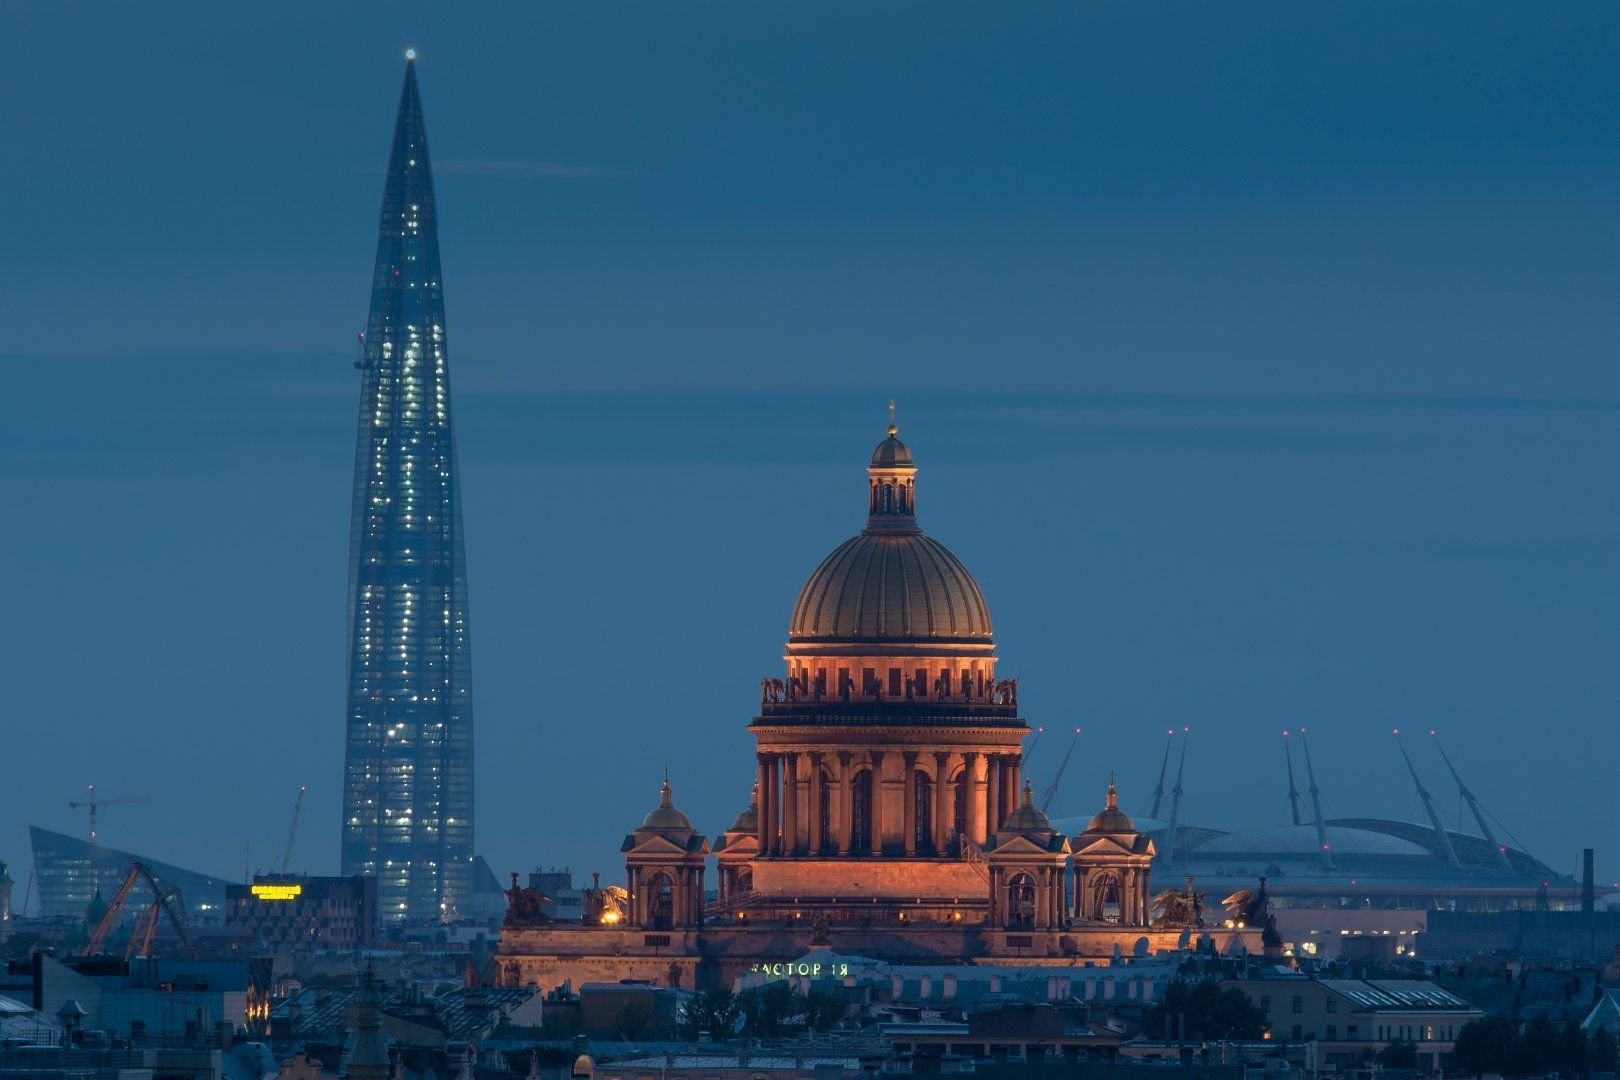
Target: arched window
x=860 y=816
x=1021 y=902
x=743 y=881
x=888 y=498
x=660 y=903
x=1106 y=897
x=923 y=811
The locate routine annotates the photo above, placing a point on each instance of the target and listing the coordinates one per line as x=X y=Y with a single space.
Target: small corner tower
x=664 y=868
x=1026 y=858
x=1111 y=861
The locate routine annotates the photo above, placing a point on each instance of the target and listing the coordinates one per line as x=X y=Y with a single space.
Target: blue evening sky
x=1260 y=360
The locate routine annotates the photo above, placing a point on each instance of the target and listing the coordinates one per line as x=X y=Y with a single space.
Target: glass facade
x=68 y=871
x=407 y=786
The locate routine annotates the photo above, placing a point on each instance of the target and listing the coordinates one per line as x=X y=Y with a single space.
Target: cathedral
x=889 y=819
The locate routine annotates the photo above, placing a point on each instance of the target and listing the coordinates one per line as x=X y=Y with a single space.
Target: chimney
x=1588 y=897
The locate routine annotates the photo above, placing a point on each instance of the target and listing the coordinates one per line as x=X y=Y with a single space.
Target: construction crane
x=93 y=804
x=167 y=902
x=292 y=830
x=1051 y=790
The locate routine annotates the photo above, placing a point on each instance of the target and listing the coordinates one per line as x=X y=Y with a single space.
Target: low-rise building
x=290 y=913
x=1350 y=1019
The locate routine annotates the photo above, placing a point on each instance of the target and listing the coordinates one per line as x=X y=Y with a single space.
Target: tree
x=772 y=1011
x=1486 y=1045
x=822 y=1010
x=1537 y=1048
x=1601 y=1052
x=1571 y=1056
x=1233 y=1016
x=631 y=1021
x=1204 y=1011
x=713 y=1011
x=1399 y=1054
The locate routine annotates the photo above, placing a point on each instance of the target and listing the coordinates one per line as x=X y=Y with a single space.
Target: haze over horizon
x=1259 y=365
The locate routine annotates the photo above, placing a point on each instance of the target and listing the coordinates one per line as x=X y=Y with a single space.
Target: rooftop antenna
x=1293 y=792
x=1316 y=802
x=1164 y=764
x=1428 y=806
x=1051 y=790
x=1175 y=800
x=1473 y=805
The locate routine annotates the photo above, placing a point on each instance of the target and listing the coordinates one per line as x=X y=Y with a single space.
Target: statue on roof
x=525 y=906
x=1179 y=907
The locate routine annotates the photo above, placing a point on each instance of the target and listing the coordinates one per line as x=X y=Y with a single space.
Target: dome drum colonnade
x=890 y=736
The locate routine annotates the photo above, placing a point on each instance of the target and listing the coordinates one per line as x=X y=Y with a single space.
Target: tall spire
x=407 y=797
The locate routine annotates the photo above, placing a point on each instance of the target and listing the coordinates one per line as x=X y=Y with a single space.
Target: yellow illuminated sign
x=277 y=892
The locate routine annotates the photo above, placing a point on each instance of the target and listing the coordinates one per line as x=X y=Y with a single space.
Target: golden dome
x=890 y=587
x=1111 y=819
x=664 y=815
x=1027 y=818
x=748 y=820
x=891 y=453
x=891 y=583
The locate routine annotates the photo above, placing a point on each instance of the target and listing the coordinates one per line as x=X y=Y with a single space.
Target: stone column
x=764 y=803
x=942 y=802
x=846 y=803
x=908 y=813
x=1043 y=897
x=1015 y=783
x=975 y=807
x=1009 y=789
x=877 y=802
x=634 y=914
x=992 y=795
x=814 y=810
x=790 y=804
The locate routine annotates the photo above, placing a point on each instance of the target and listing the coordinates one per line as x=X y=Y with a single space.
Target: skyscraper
x=408 y=766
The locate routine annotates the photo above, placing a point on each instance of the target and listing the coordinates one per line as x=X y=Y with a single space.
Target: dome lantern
x=889 y=584
x=891 y=480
